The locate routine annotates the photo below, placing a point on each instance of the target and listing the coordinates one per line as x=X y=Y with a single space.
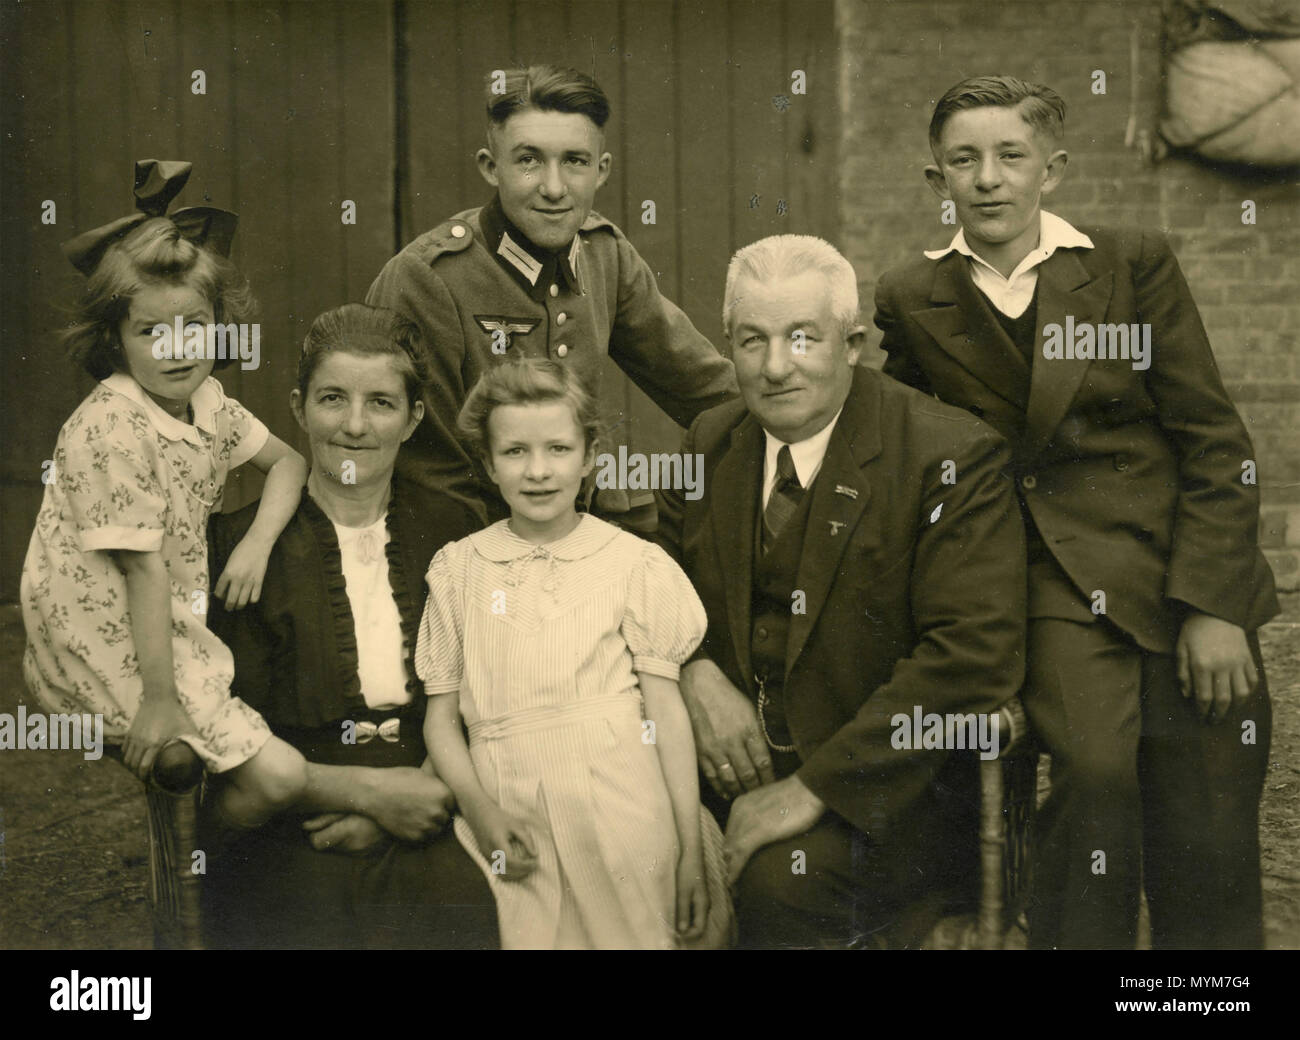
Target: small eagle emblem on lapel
x=501 y=327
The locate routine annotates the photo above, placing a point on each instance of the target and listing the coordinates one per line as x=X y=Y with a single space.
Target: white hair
x=788 y=256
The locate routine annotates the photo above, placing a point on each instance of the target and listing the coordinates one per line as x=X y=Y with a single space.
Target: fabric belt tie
x=552 y=716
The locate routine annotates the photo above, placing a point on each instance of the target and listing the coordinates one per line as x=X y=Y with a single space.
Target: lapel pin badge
x=835 y=526
x=847 y=492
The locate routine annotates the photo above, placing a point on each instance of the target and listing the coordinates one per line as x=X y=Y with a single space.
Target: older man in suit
x=858 y=550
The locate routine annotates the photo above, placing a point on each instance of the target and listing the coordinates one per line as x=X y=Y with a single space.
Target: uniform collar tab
x=519 y=258
x=515 y=252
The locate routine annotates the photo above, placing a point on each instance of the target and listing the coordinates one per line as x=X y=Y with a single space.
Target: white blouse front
x=374 y=613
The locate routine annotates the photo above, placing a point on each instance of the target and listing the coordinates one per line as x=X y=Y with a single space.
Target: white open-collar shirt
x=1011 y=295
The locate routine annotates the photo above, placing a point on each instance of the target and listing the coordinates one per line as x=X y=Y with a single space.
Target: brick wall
x=898 y=56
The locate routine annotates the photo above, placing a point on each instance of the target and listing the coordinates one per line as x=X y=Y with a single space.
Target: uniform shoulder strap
x=451 y=236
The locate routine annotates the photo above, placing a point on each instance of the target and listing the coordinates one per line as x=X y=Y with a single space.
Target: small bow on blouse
x=157 y=182
x=386 y=730
x=369 y=549
x=515 y=572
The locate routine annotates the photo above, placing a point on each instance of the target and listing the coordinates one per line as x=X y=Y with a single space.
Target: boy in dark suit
x=1136 y=475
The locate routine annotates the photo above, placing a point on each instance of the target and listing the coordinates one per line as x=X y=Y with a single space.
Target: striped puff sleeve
x=439 y=660
x=664 y=620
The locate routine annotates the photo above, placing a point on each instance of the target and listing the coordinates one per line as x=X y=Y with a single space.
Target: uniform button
x=457 y=231
x=1029 y=482
x=561 y=318
x=1121 y=462
x=555 y=290
x=762 y=632
x=561 y=350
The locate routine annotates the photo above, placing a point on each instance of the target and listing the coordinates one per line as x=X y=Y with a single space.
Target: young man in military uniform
x=536 y=273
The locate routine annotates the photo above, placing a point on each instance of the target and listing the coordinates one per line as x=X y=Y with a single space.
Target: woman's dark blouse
x=295 y=656
x=296 y=649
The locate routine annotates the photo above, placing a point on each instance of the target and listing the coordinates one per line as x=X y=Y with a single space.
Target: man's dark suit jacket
x=916 y=598
x=1133 y=478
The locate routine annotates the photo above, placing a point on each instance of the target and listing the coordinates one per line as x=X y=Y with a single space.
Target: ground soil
x=74 y=863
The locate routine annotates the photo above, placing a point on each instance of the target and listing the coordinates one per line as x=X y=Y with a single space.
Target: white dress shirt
x=807 y=456
x=1012 y=295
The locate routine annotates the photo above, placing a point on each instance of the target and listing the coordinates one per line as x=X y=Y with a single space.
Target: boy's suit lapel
x=734 y=494
x=1065 y=288
x=839 y=495
x=969 y=335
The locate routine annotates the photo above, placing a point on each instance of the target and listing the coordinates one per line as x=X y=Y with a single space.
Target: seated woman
x=325 y=655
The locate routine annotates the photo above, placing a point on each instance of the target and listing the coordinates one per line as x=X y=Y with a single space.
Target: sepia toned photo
x=651 y=474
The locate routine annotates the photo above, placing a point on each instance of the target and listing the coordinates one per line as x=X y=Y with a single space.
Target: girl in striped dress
x=557 y=638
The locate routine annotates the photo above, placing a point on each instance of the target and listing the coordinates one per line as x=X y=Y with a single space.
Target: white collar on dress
x=208 y=399
x=501 y=545
x=1053 y=233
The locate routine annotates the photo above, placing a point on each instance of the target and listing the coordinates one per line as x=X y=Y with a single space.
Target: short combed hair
x=358 y=328
x=549 y=88
x=788 y=256
x=152 y=253
x=1041 y=107
x=527 y=381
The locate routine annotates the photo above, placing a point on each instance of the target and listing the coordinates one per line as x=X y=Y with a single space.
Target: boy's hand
x=159 y=720
x=241 y=582
x=343 y=832
x=1214 y=664
x=692 y=896
x=498 y=831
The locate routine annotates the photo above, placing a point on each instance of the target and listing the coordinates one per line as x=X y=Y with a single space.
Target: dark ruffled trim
x=409 y=606
x=345 y=629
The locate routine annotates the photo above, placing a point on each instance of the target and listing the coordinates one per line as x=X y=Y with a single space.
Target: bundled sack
x=1233 y=87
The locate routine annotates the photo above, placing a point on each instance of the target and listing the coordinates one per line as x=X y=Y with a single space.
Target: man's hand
x=410 y=804
x=733 y=754
x=343 y=832
x=772 y=813
x=1214 y=664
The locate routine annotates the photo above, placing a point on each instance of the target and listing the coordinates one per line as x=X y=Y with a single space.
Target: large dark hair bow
x=157 y=182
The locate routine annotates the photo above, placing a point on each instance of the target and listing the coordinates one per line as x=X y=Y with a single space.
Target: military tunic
x=481 y=294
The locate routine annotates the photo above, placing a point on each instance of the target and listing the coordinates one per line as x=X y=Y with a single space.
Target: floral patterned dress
x=127 y=475
x=542 y=643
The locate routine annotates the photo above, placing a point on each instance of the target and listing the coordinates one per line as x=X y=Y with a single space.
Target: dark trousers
x=1144 y=793
x=272 y=890
x=832 y=887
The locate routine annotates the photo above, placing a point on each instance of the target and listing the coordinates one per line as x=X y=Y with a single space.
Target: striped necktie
x=784 y=500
